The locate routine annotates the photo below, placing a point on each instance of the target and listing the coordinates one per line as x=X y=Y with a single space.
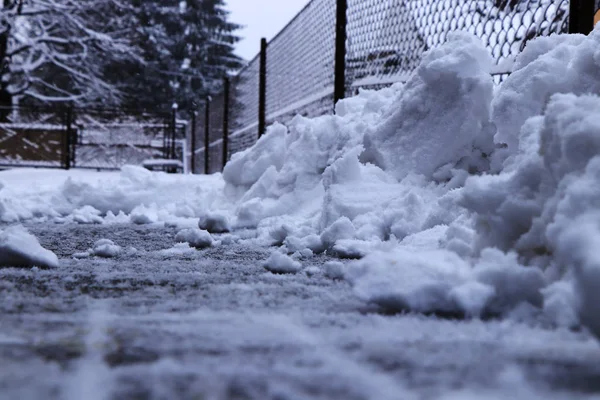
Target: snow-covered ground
x=213 y=323
x=446 y=195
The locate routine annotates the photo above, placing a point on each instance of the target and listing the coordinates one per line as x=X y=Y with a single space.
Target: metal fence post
x=206 y=134
x=340 y=51
x=193 y=141
x=225 y=120
x=67 y=148
x=581 y=16
x=173 y=129
x=73 y=135
x=262 y=88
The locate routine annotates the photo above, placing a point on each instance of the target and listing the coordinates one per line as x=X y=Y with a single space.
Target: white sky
x=261 y=18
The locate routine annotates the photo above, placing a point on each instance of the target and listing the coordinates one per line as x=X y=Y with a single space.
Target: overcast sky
x=261 y=18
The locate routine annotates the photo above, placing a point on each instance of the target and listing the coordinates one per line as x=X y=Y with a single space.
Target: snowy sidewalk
x=214 y=324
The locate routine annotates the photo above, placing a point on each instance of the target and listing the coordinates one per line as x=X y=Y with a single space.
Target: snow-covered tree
x=55 y=50
x=187 y=48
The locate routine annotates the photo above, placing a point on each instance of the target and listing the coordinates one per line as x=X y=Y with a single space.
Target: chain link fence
x=384 y=43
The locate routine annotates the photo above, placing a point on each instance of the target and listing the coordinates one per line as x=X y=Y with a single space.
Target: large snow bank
x=463 y=197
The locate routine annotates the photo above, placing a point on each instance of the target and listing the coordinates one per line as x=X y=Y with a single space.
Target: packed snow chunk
x=106 y=248
x=19 y=248
x=296 y=187
x=120 y=218
x=143 y=215
x=512 y=283
x=87 y=215
x=250 y=213
x=472 y=297
x=246 y=167
x=82 y=254
x=460 y=238
x=442 y=115
x=177 y=250
x=334 y=270
x=560 y=304
x=281 y=264
x=312 y=242
x=215 y=223
x=197 y=238
x=352 y=248
x=306 y=253
x=551 y=181
x=340 y=229
x=405 y=280
x=280 y=233
x=579 y=244
x=548 y=65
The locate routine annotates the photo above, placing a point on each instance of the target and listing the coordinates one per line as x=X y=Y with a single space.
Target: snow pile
x=320 y=191
x=460 y=197
x=281 y=264
x=442 y=282
x=197 y=238
x=334 y=270
x=87 y=215
x=216 y=222
x=548 y=65
x=545 y=201
x=132 y=195
x=441 y=117
x=281 y=178
x=105 y=248
x=19 y=248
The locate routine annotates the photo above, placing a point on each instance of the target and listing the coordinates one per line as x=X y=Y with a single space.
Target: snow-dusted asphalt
x=213 y=324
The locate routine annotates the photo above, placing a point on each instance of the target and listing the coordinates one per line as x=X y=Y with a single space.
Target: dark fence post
x=206 y=134
x=262 y=88
x=581 y=16
x=173 y=130
x=193 y=140
x=225 y=120
x=67 y=148
x=339 y=91
x=166 y=133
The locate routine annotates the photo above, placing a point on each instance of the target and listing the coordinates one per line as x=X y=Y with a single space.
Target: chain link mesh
x=215 y=136
x=300 y=63
x=386 y=40
x=198 y=130
x=244 y=88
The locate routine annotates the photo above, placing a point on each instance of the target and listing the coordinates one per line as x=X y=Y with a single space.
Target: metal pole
x=72 y=136
x=339 y=91
x=581 y=16
x=173 y=130
x=165 y=137
x=67 y=146
x=193 y=140
x=206 y=134
x=262 y=88
x=225 y=120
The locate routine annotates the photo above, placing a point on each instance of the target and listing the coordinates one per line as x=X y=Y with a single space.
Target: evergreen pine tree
x=187 y=47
